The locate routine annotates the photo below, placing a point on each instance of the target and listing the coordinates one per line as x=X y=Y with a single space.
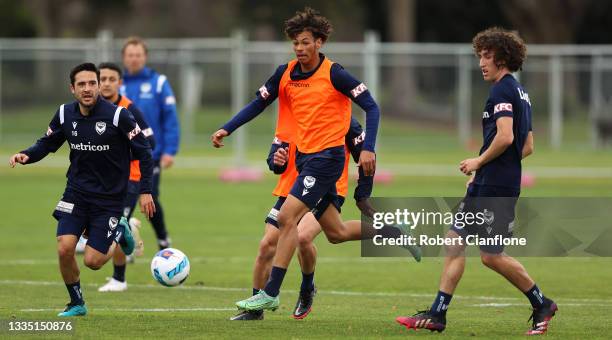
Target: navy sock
x=119 y=273
x=536 y=298
x=76 y=296
x=389 y=232
x=255 y=291
x=157 y=221
x=307 y=283
x=441 y=303
x=276 y=280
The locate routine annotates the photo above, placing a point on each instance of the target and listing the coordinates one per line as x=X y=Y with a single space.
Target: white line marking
x=503 y=305
x=244 y=259
x=565 y=301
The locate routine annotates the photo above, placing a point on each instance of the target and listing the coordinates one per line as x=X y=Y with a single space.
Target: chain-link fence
x=422 y=87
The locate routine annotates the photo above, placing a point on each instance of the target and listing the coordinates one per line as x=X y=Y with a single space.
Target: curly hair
x=508 y=47
x=308 y=20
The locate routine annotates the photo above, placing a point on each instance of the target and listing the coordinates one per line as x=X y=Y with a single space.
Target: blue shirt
x=507 y=98
x=101 y=147
x=152 y=94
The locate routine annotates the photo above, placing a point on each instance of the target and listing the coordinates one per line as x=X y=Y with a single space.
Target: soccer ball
x=170 y=267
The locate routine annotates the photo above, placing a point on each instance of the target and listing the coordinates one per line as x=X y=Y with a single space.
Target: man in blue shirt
x=495 y=187
x=152 y=94
x=103 y=138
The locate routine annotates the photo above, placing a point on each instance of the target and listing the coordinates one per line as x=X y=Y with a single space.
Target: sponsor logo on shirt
x=134 y=132
x=65 y=207
x=89 y=147
x=361 y=88
x=100 y=127
x=147 y=132
x=263 y=92
x=524 y=95
x=502 y=107
x=359 y=139
x=145 y=87
x=298 y=84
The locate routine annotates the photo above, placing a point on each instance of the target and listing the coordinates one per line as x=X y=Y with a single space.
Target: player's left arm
x=502 y=140
x=359 y=93
x=141 y=150
x=169 y=125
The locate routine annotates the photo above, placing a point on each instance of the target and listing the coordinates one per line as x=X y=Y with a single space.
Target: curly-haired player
x=316 y=93
x=495 y=186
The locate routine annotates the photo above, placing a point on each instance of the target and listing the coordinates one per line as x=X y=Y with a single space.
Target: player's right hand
x=147 y=206
x=217 y=138
x=20 y=158
x=367 y=161
x=280 y=156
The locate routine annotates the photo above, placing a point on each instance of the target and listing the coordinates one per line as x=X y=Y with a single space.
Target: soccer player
x=281 y=160
x=101 y=137
x=152 y=94
x=110 y=81
x=318 y=93
x=508 y=138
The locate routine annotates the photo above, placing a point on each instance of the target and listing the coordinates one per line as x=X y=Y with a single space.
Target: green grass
x=219 y=225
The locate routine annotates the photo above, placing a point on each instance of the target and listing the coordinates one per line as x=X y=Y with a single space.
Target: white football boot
x=139 y=249
x=113 y=286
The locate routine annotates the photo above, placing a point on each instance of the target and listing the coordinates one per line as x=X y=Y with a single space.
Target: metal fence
x=417 y=84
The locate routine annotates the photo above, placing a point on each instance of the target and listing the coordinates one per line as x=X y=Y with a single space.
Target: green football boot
x=260 y=301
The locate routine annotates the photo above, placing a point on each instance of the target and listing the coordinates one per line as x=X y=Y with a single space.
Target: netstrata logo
x=89 y=147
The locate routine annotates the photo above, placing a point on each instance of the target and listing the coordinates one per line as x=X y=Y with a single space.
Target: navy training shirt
x=507 y=98
x=101 y=145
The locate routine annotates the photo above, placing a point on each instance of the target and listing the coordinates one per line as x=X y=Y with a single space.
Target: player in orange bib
x=281 y=160
x=110 y=81
x=317 y=92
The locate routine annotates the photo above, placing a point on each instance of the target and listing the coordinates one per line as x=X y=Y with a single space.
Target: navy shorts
x=272 y=217
x=131 y=198
x=496 y=205
x=318 y=174
x=77 y=214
